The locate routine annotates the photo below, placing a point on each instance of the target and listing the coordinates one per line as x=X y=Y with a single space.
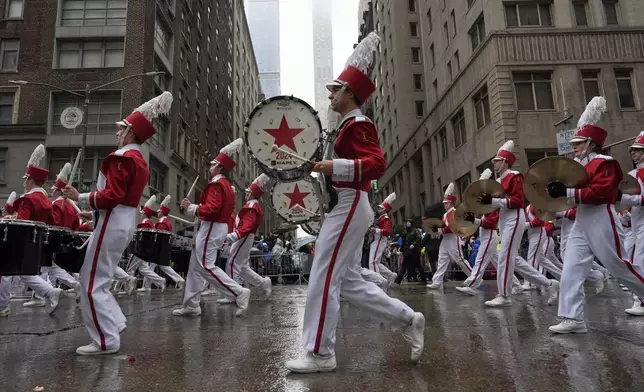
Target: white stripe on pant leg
x=577 y=265
x=171 y=273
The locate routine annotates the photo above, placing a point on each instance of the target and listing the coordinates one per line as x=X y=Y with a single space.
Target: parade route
x=467 y=347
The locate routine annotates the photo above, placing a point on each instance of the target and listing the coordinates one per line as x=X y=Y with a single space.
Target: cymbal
x=619 y=207
x=629 y=185
x=476 y=189
x=459 y=225
x=568 y=171
x=544 y=215
x=430 y=223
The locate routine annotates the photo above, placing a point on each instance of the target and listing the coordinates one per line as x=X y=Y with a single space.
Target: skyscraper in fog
x=264 y=23
x=322 y=54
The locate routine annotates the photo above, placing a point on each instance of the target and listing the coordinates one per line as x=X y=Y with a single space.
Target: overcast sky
x=296 y=43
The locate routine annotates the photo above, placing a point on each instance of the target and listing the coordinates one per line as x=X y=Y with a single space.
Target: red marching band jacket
x=360 y=158
x=146 y=223
x=446 y=216
x=249 y=219
x=602 y=183
x=64 y=214
x=163 y=224
x=532 y=220
x=490 y=221
x=231 y=222
x=512 y=184
x=384 y=227
x=33 y=206
x=217 y=201
x=550 y=228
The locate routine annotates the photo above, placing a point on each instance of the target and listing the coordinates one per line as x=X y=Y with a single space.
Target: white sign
x=71 y=117
x=563 y=146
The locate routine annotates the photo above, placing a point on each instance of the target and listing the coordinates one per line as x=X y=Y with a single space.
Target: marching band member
x=381 y=233
x=6 y=282
x=512 y=225
x=34 y=205
x=637 y=216
x=64 y=214
x=596 y=231
x=488 y=252
x=164 y=224
x=450 y=248
x=121 y=181
x=142 y=265
x=538 y=238
x=334 y=270
x=215 y=206
x=248 y=221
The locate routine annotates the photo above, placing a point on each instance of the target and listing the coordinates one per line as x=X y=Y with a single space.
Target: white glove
x=192 y=210
x=231 y=237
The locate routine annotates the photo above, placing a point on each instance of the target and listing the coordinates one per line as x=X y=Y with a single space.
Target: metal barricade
x=286 y=268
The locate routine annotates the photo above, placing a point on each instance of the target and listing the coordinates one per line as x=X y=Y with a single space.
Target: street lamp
x=85 y=95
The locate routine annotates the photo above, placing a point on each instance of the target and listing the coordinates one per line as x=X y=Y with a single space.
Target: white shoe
x=267 y=286
x=225 y=301
x=312 y=363
x=434 y=286
x=569 y=326
x=131 y=285
x=122 y=327
x=499 y=301
x=624 y=288
x=599 y=286
x=52 y=302
x=35 y=303
x=467 y=290
x=4 y=312
x=208 y=292
x=144 y=289
x=415 y=334
x=92 y=349
x=553 y=290
x=187 y=311
x=636 y=310
x=518 y=289
x=242 y=302
x=181 y=285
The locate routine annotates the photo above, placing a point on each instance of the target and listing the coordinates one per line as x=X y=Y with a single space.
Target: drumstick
x=73 y=172
x=180 y=219
x=291 y=154
x=192 y=188
x=309 y=211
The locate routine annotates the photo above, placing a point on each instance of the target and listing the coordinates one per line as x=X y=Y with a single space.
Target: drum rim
x=59 y=228
x=154 y=231
x=267 y=169
x=23 y=222
x=297 y=222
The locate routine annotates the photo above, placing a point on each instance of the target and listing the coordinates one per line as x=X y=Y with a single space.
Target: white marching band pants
x=450 y=250
x=376 y=250
x=487 y=253
x=238 y=263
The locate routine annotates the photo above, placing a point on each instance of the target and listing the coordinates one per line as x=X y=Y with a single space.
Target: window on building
x=452 y=17
x=162 y=125
x=178 y=195
x=412 y=5
x=435 y=88
x=625 y=87
x=527 y=14
x=610 y=9
x=162 y=37
x=432 y=55
x=533 y=90
x=534 y=155
x=449 y=70
x=9 y=54
x=158 y=172
x=460 y=132
x=429 y=19
x=482 y=107
x=413 y=29
x=581 y=12
x=420 y=108
x=90 y=54
x=415 y=55
x=462 y=183
x=418 y=81
x=590 y=80
x=3 y=165
x=104 y=110
x=457 y=61
x=477 y=32
x=442 y=140
x=93 y=13
x=6 y=107
x=14 y=9
x=446 y=33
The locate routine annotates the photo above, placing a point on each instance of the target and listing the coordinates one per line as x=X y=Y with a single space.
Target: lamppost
x=85 y=96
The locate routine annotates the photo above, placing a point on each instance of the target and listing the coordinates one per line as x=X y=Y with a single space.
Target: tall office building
x=263 y=20
x=458 y=78
x=322 y=55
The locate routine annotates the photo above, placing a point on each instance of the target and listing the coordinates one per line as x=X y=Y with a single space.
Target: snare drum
x=72 y=260
x=296 y=202
x=57 y=240
x=291 y=124
x=20 y=247
x=154 y=246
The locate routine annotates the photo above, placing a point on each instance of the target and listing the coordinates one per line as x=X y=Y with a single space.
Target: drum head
x=312 y=227
x=292 y=125
x=289 y=200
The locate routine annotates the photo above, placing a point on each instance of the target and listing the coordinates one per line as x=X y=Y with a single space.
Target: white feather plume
x=166 y=201
x=641 y=134
x=233 y=147
x=507 y=146
x=362 y=55
x=12 y=198
x=262 y=181
x=151 y=201
x=450 y=189
x=390 y=199
x=65 y=172
x=37 y=156
x=156 y=106
x=234 y=189
x=593 y=112
x=486 y=175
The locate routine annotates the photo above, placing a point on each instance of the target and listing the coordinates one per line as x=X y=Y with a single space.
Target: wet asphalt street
x=467 y=347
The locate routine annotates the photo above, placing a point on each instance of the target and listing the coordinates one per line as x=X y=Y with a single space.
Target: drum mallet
x=180 y=219
x=291 y=154
x=192 y=188
x=309 y=211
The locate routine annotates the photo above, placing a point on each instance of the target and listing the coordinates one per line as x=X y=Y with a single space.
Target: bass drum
x=295 y=202
x=291 y=124
x=312 y=227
